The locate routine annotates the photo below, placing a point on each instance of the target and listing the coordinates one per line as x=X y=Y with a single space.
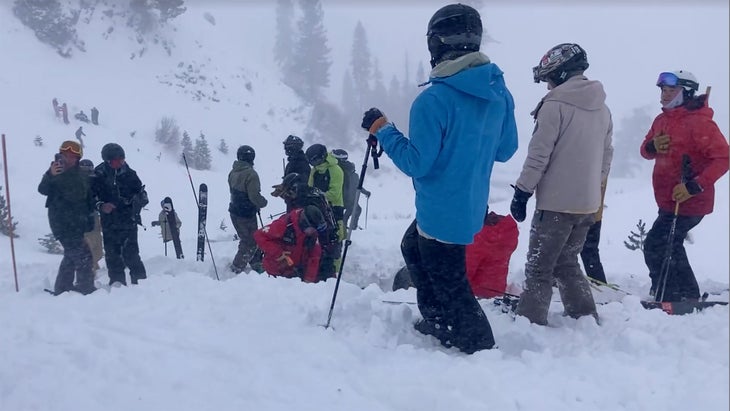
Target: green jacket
x=69 y=202
x=329 y=178
x=245 y=186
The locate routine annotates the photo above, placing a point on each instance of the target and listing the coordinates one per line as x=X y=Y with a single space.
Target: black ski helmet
x=453 y=31
x=316 y=154
x=246 y=153
x=112 y=151
x=293 y=144
x=339 y=154
x=86 y=165
x=561 y=63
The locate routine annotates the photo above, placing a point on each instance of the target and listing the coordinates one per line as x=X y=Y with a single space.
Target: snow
x=183 y=340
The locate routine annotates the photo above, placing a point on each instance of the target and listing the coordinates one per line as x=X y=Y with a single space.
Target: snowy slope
x=182 y=340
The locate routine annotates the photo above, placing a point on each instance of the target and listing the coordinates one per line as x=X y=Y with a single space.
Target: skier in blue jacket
x=459 y=127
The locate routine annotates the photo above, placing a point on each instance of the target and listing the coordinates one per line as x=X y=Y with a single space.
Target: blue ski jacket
x=459 y=126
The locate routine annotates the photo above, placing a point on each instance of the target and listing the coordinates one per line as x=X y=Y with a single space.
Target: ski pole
x=370 y=152
x=664 y=272
x=11 y=229
x=205 y=229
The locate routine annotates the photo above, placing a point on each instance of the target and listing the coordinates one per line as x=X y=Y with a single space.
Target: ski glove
x=659 y=144
x=373 y=120
x=284 y=258
x=518 y=208
x=684 y=191
x=372 y=141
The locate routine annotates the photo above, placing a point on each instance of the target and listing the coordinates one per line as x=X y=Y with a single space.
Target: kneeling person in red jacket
x=290 y=243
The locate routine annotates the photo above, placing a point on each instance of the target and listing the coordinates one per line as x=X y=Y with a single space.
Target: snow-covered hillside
x=182 y=340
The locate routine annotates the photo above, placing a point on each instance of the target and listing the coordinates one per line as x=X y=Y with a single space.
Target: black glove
x=155 y=223
x=369 y=118
x=372 y=140
x=518 y=208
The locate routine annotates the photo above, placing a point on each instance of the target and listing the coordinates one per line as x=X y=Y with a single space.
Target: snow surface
x=183 y=340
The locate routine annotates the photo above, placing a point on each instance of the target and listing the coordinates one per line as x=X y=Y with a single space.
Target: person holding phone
x=70 y=205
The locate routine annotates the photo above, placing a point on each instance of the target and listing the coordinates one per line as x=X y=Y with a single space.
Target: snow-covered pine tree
x=187 y=149
x=38 y=141
x=51 y=245
x=636 y=239
x=5 y=225
x=310 y=58
x=223 y=147
x=168 y=133
x=201 y=153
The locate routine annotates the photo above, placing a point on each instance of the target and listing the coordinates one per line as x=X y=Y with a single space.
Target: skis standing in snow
x=684 y=129
x=569 y=156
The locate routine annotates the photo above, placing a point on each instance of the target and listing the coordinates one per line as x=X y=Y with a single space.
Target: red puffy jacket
x=692 y=132
x=271 y=239
x=487 y=258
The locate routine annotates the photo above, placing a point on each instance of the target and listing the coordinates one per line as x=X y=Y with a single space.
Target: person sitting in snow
x=81 y=116
x=290 y=243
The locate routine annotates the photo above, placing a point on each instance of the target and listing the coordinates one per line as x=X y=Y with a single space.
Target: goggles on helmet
x=671 y=79
x=69 y=147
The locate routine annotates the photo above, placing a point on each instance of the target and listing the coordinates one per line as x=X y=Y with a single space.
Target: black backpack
x=312 y=196
x=349 y=183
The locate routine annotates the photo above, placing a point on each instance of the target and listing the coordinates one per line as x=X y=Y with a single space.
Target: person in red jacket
x=290 y=245
x=690 y=154
x=487 y=258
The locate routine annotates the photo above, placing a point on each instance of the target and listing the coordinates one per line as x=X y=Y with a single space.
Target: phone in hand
x=59 y=160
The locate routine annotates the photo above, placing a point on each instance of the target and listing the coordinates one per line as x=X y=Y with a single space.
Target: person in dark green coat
x=70 y=206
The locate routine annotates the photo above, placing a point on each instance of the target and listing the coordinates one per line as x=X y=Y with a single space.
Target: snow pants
x=438 y=271
x=681 y=282
x=76 y=263
x=589 y=254
x=122 y=250
x=555 y=241
x=245 y=227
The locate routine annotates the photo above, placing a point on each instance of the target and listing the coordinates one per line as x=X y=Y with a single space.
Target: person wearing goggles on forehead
x=690 y=154
x=70 y=205
x=120 y=198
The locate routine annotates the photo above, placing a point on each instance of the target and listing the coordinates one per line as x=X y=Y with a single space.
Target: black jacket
x=297 y=163
x=122 y=188
x=69 y=202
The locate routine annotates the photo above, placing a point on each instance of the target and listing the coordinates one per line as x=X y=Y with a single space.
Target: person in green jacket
x=246 y=201
x=327 y=176
x=70 y=205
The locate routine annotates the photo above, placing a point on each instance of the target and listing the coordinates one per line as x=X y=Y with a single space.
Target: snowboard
x=171 y=217
x=202 y=216
x=680 y=307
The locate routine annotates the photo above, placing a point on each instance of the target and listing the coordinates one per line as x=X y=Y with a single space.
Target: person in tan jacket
x=568 y=157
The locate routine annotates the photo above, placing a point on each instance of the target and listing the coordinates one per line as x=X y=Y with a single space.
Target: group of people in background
x=318 y=189
x=459 y=126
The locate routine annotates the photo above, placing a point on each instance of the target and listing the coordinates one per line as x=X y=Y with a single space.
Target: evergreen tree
x=201 y=153
x=284 y=45
x=38 y=141
x=626 y=157
x=169 y=9
x=379 y=92
x=187 y=149
x=311 y=56
x=6 y=226
x=50 y=243
x=223 y=147
x=168 y=133
x=362 y=68
x=47 y=20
